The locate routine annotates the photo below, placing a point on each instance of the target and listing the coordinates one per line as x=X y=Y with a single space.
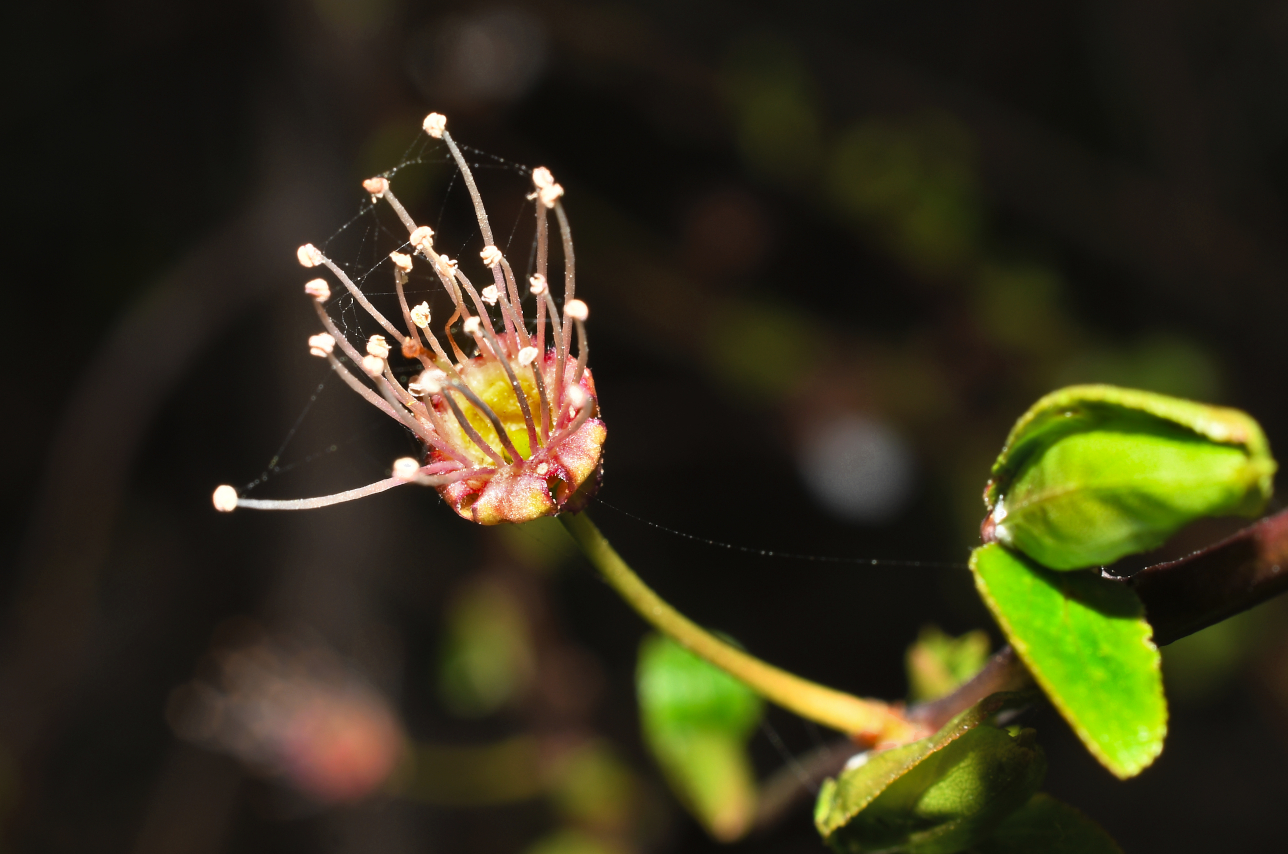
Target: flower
x=510 y=434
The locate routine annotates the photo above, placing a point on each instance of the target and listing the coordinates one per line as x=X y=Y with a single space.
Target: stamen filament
x=357 y=385
x=322 y=500
x=361 y=298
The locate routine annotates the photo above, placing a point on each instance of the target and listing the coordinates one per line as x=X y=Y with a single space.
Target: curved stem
x=870 y=720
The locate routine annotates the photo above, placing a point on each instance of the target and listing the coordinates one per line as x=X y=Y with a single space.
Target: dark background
x=910 y=217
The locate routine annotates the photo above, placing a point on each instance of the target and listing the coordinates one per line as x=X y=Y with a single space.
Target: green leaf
x=1048 y=826
x=1092 y=473
x=937 y=663
x=1086 y=642
x=696 y=720
x=937 y=795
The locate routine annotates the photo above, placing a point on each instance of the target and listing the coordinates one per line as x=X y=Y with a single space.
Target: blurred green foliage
x=937 y=663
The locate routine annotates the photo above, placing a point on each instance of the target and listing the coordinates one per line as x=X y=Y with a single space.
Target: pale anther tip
x=406 y=468
x=490 y=295
x=420 y=315
x=541 y=178
x=471 y=326
x=577 y=396
x=377 y=346
x=527 y=356
x=401 y=261
x=376 y=186
x=224 y=498
x=550 y=195
x=321 y=345
x=308 y=255
x=537 y=284
x=422 y=237
x=318 y=289
x=435 y=124
x=373 y=366
x=491 y=256
x=576 y=309
x=432 y=381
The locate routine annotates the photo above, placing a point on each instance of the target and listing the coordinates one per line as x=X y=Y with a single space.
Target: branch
x=1213 y=584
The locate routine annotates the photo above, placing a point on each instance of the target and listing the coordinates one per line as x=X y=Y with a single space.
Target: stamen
x=318 y=289
x=578 y=311
x=225 y=498
x=357 y=293
x=308 y=255
x=377 y=186
x=543 y=252
x=527 y=356
x=321 y=345
x=365 y=393
x=420 y=315
x=435 y=124
x=373 y=366
x=321 y=501
x=491 y=255
x=570 y=288
x=401 y=261
x=490 y=295
x=583 y=405
x=422 y=239
x=479 y=212
x=377 y=346
x=406 y=468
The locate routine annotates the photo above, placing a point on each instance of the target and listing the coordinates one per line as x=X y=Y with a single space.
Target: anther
x=446 y=267
x=542 y=468
x=308 y=255
x=373 y=366
x=377 y=346
x=377 y=187
x=541 y=178
x=576 y=309
x=318 y=289
x=550 y=195
x=321 y=345
x=429 y=382
x=406 y=468
x=435 y=124
x=490 y=295
x=471 y=326
x=420 y=315
x=422 y=238
x=491 y=256
x=527 y=356
x=224 y=498
x=577 y=397
x=401 y=261
x=537 y=284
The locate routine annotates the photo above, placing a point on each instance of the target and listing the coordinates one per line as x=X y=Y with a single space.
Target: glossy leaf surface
x=696 y=720
x=1048 y=826
x=1086 y=642
x=1092 y=473
x=934 y=796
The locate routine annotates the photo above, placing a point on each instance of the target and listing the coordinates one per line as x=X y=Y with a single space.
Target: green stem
x=869 y=719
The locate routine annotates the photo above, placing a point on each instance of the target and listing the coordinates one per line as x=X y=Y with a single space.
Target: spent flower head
x=510 y=434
